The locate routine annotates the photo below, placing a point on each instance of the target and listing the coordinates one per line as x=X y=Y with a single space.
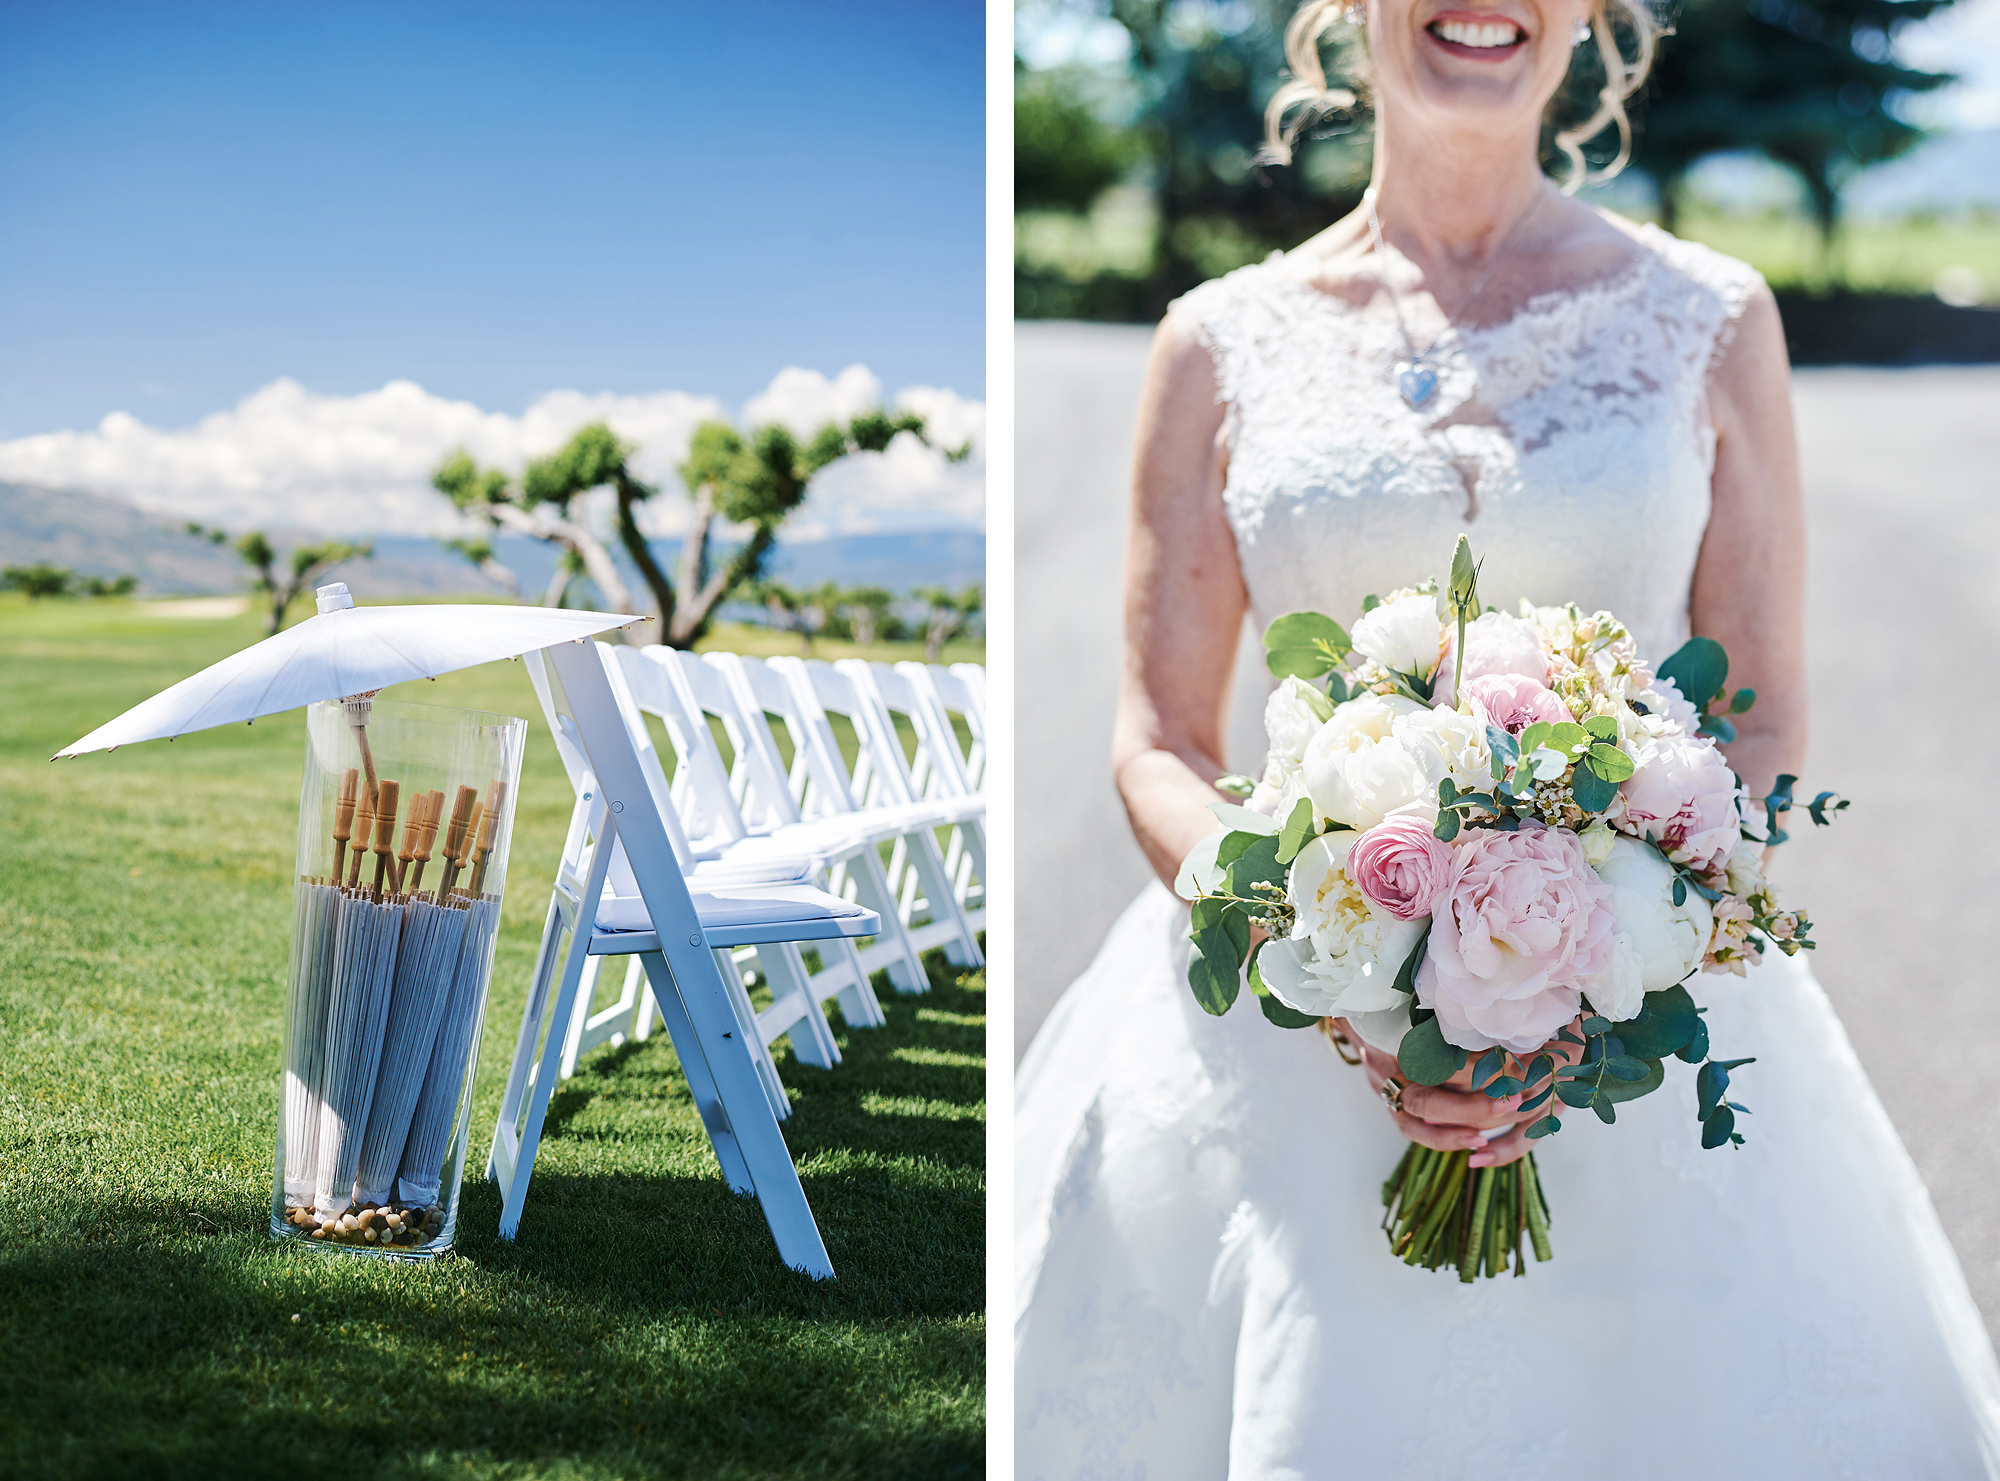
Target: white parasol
x=344 y=652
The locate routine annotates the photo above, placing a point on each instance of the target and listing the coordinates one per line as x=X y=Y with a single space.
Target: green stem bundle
x=1439 y=1210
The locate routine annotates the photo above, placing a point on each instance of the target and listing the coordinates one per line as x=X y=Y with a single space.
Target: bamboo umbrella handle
x=364 y=821
x=413 y=823
x=454 y=838
x=432 y=804
x=343 y=817
x=495 y=795
x=385 y=831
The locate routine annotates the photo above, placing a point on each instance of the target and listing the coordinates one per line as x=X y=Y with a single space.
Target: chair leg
x=858 y=1004
x=520 y=1073
x=961 y=949
x=704 y=1028
x=810 y=1033
x=873 y=892
x=746 y=1023
x=701 y=1084
x=514 y=1190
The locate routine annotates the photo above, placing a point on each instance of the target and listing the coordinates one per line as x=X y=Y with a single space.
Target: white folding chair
x=934 y=772
x=794 y=1011
x=682 y=939
x=682 y=692
x=763 y=785
x=880 y=782
x=961 y=690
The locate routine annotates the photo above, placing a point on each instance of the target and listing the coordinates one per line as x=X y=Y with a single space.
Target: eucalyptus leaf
x=1699 y=669
x=1491 y=1063
x=1664 y=1024
x=1624 y=1067
x=1502 y=745
x=1571 y=739
x=1740 y=703
x=1257 y=864
x=1603 y=728
x=1717 y=726
x=1406 y=975
x=1336 y=687
x=1597 y=1024
x=1534 y=737
x=1574 y=1095
x=1547 y=1126
x=1710 y=1085
x=1608 y=762
x=1717 y=1127
x=1620 y=1091
x=1305 y=644
x=1446 y=827
x=1425 y=1058
x=1297 y=832
x=1535 y=1101
x=1213 y=980
x=1592 y=792
x=1606 y=1112
x=1696 y=1048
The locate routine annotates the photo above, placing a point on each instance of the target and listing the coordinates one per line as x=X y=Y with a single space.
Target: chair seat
x=736 y=915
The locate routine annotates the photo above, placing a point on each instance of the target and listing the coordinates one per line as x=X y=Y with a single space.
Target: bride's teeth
x=1466 y=34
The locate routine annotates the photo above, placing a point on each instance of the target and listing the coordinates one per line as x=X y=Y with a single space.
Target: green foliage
x=1268 y=1002
x=1809 y=83
x=1298 y=830
x=119 y=586
x=641 y=1325
x=1065 y=155
x=1304 y=644
x=1425 y=1058
x=1699 y=668
x=39 y=580
x=301 y=569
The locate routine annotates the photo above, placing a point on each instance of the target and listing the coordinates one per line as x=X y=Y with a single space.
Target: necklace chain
x=1418 y=357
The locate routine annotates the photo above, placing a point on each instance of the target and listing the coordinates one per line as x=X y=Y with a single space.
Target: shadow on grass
x=642 y=1324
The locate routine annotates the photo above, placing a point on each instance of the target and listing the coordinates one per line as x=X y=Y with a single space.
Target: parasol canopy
x=344 y=650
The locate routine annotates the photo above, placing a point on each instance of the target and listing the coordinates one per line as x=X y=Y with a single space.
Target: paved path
x=1903 y=490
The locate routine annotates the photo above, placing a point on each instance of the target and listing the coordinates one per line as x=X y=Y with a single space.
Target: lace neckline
x=1549 y=305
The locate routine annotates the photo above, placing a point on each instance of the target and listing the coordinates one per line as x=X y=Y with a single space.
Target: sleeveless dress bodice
x=1571 y=440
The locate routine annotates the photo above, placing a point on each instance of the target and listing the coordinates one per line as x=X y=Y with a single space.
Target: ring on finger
x=1392 y=1093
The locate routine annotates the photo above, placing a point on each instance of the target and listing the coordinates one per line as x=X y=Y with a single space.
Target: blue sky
x=495 y=201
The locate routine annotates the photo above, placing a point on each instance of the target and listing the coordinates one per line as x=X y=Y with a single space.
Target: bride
x=1203 y=1287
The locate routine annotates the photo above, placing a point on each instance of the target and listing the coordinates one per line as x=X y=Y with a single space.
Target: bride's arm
x=1749 y=581
x=1184 y=605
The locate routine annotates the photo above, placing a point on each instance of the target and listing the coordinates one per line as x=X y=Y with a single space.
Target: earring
x=1579 y=33
x=1355 y=15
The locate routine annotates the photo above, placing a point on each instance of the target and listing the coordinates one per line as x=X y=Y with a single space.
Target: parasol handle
x=359 y=707
x=426 y=810
x=454 y=838
x=364 y=820
x=385 y=832
x=487 y=821
x=343 y=817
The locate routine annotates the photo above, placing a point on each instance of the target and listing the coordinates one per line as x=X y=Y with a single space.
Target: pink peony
x=1513 y=702
x=1400 y=865
x=1494 y=644
x=1523 y=923
x=1684 y=795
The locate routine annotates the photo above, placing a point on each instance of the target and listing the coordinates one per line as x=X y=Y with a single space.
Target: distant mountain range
x=96 y=536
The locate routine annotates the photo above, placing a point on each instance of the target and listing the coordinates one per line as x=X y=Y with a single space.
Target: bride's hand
x=1453 y=1117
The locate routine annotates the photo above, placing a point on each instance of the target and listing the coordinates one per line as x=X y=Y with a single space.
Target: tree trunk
x=597 y=562
x=641 y=552
x=683 y=624
x=697 y=608
x=942 y=625
x=558 y=586
x=501 y=576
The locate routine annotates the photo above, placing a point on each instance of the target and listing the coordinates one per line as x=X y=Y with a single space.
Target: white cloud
x=286 y=457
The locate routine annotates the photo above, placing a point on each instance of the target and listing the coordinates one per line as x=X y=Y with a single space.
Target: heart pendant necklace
x=1415 y=376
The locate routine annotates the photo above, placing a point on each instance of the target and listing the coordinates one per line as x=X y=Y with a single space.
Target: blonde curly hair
x=1308 y=91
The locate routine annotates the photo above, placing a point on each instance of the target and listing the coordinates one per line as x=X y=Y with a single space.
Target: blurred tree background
x=1137 y=125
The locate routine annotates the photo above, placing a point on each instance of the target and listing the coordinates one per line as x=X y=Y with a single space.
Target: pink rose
x=1513 y=701
x=1684 y=795
x=1523 y=923
x=1494 y=644
x=1400 y=865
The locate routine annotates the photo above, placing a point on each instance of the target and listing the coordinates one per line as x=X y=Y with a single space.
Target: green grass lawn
x=641 y=1325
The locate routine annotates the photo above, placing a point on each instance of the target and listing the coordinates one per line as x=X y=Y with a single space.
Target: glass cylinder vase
x=406 y=814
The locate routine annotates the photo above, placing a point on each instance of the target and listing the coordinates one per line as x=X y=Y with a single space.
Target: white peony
x=1201 y=871
x=1355 y=770
x=1447 y=744
x=1663 y=700
x=1655 y=943
x=1405 y=635
x=1293 y=715
x=1746 y=870
x=1343 y=954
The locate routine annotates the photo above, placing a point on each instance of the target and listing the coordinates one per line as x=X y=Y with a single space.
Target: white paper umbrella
x=343 y=651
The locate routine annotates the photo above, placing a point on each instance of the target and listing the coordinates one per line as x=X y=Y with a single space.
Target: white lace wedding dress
x=1203 y=1288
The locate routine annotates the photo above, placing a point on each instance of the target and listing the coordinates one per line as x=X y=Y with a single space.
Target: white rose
x=1405 y=635
x=1343 y=954
x=1597 y=840
x=1656 y=943
x=1355 y=770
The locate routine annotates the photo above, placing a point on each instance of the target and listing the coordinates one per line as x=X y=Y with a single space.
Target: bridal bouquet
x=1496 y=839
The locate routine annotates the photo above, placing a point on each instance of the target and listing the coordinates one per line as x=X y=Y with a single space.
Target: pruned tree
x=807 y=612
x=868 y=610
x=39 y=580
x=946 y=614
x=756 y=479
x=117 y=586
x=540 y=506
x=283 y=580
